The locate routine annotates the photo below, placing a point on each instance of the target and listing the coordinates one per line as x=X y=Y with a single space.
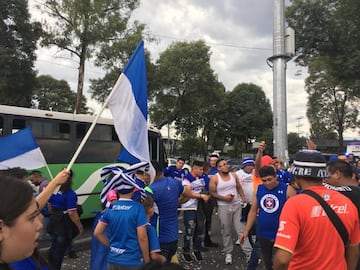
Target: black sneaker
x=187 y=257
x=198 y=256
x=209 y=243
x=73 y=255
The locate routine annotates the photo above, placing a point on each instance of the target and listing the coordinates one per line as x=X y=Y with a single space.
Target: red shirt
x=306 y=231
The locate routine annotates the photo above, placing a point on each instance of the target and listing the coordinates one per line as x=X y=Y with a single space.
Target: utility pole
x=277 y=62
x=299 y=124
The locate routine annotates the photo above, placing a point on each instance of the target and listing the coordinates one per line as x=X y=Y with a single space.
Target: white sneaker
x=228 y=259
x=180 y=232
x=237 y=242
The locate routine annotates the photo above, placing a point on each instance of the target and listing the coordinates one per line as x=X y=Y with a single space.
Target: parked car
x=235 y=164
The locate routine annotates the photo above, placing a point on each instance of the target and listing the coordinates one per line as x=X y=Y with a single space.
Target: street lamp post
x=278 y=64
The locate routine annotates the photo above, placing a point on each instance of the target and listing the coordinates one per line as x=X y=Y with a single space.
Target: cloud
x=239 y=34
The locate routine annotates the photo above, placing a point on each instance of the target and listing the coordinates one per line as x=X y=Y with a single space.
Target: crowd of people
x=306 y=217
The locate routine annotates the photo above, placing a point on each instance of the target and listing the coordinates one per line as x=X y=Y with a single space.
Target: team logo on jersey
x=269 y=203
x=326 y=197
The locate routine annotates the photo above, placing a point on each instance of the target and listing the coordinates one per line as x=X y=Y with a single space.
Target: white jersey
x=227 y=187
x=246 y=182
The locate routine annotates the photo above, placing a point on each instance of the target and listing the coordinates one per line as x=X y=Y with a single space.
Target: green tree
x=193 y=146
x=295 y=143
x=248 y=114
x=56 y=95
x=100 y=88
x=18 y=37
x=187 y=91
x=90 y=29
x=328 y=42
x=331 y=107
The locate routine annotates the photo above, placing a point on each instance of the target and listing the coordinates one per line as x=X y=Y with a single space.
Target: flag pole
x=87 y=135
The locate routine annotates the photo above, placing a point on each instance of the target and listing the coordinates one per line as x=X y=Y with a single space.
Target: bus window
x=81 y=130
x=52 y=130
x=17 y=125
x=64 y=131
x=100 y=132
x=115 y=137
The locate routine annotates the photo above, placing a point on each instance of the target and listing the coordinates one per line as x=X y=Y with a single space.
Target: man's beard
x=226 y=173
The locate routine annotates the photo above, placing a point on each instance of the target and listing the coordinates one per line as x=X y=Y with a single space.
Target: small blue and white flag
x=123 y=181
x=21 y=150
x=128 y=105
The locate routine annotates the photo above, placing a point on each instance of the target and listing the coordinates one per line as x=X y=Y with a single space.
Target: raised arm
x=258 y=157
x=45 y=195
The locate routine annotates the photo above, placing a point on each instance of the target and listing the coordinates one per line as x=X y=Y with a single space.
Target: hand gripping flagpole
x=87 y=135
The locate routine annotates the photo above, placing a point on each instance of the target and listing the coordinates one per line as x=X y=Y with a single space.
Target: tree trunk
x=80 y=85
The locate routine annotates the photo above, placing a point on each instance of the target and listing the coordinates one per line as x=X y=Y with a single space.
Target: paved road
x=213 y=259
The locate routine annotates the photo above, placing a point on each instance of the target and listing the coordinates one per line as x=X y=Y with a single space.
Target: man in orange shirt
x=306 y=237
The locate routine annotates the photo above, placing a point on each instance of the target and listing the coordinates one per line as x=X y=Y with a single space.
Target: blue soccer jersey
x=124 y=218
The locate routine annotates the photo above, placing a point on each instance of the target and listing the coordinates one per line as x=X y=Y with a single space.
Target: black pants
x=267 y=248
x=209 y=208
x=200 y=225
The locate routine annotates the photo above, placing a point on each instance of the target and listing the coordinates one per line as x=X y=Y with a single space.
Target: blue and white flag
x=128 y=105
x=123 y=181
x=21 y=150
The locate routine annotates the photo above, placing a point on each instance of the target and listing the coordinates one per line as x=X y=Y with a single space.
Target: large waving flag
x=21 y=150
x=128 y=106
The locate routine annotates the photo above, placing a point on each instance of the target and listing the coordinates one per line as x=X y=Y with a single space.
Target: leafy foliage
x=295 y=143
x=18 y=38
x=328 y=42
x=187 y=90
x=248 y=114
x=56 y=95
x=97 y=29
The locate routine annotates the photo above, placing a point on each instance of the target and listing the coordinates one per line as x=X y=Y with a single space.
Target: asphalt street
x=213 y=259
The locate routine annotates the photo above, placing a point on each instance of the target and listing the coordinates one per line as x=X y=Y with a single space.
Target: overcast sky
x=238 y=32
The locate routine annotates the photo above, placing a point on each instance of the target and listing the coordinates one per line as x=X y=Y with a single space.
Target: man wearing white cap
x=307 y=238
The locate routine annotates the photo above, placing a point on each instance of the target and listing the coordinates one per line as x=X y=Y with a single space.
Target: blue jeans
x=255 y=256
x=169 y=249
x=59 y=244
x=189 y=224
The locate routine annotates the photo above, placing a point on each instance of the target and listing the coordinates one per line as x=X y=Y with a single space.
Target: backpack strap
x=334 y=218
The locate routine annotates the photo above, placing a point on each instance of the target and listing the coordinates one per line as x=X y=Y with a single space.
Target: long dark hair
x=16 y=196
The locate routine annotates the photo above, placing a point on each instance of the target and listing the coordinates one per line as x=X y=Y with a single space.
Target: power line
x=213 y=43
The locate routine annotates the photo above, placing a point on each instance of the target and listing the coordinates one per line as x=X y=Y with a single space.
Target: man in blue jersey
x=176 y=171
x=268 y=200
x=194 y=217
x=128 y=242
x=166 y=192
x=212 y=160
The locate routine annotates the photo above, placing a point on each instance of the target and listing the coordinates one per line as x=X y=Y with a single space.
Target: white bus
x=59 y=134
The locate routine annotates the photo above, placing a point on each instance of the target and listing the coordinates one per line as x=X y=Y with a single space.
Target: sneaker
x=237 y=242
x=209 y=243
x=204 y=249
x=198 y=256
x=73 y=255
x=180 y=232
x=187 y=257
x=228 y=259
